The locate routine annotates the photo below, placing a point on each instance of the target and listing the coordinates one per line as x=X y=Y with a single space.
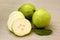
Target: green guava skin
x=27 y=9
x=41 y=18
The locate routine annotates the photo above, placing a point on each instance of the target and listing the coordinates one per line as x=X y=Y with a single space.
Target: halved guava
x=13 y=16
x=21 y=27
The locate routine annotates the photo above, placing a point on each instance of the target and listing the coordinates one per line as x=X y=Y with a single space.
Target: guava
x=27 y=9
x=21 y=27
x=41 y=18
x=13 y=16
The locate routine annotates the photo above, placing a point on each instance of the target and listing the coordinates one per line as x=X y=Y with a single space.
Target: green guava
x=41 y=18
x=27 y=9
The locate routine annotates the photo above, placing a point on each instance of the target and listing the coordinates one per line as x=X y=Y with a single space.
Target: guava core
x=41 y=18
x=27 y=9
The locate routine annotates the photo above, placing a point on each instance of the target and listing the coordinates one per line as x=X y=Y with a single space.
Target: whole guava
x=27 y=9
x=41 y=18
